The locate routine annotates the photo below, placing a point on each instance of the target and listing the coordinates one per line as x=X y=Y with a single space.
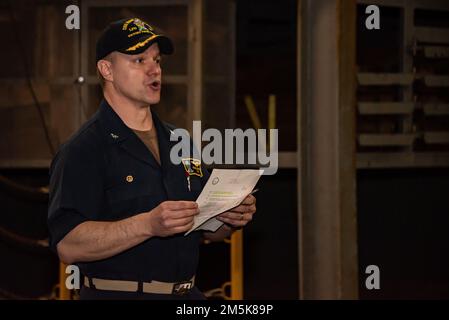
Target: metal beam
x=374 y=108
x=195 y=65
x=327 y=217
x=385 y=79
x=434 y=35
x=434 y=52
x=25 y=163
x=301 y=136
x=348 y=279
x=436 y=137
x=385 y=139
x=420 y=4
x=135 y=3
x=435 y=109
x=402 y=160
x=436 y=81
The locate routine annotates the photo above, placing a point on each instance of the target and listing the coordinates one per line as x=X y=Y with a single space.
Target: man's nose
x=154 y=68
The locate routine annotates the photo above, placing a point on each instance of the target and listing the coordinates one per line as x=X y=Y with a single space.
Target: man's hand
x=241 y=215
x=172 y=217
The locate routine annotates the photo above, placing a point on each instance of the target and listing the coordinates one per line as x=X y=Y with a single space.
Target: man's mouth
x=155 y=85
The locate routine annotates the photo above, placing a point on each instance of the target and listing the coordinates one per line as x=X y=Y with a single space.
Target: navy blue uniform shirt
x=90 y=181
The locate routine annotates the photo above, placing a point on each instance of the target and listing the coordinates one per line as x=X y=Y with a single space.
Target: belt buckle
x=182 y=288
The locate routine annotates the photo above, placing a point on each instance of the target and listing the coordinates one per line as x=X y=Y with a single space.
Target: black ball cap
x=130 y=36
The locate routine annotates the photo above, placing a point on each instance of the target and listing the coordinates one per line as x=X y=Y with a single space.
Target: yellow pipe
x=271 y=115
x=252 y=112
x=271 y=111
x=64 y=293
x=237 y=265
x=237 y=237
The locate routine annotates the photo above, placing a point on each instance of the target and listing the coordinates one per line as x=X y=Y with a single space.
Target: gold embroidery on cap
x=138 y=32
x=125 y=25
x=141 y=44
x=129 y=179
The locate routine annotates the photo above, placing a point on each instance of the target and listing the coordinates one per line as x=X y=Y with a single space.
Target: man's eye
x=158 y=60
x=139 y=60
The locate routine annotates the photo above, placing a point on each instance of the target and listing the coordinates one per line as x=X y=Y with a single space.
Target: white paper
x=225 y=189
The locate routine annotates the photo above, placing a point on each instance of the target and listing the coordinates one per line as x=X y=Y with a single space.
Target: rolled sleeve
x=76 y=191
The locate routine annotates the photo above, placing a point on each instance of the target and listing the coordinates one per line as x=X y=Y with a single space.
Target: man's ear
x=105 y=69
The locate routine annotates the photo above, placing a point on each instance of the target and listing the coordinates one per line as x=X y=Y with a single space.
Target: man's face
x=138 y=77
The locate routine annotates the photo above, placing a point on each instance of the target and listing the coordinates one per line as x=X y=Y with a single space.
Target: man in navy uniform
x=119 y=207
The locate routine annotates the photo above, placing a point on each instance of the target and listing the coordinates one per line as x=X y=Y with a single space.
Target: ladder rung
x=436 y=52
x=432 y=35
x=436 y=81
x=372 y=108
x=379 y=140
x=436 y=137
x=379 y=79
x=435 y=109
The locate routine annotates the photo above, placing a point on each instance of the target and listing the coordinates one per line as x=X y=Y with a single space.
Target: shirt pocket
x=128 y=189
x=127 y=197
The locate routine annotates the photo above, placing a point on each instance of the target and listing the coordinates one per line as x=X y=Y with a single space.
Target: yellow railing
x=64 y=293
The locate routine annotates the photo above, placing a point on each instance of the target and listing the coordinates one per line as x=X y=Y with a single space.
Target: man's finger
x=232 y=215
x=180 y=214
x=243 y=208
x=249 y=200
x=179 y=222
x=240 y=209
x=183 y=228
x=233 y=222
x=180 y=205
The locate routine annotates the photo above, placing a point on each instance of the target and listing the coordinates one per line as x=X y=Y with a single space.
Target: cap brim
x=164 y=43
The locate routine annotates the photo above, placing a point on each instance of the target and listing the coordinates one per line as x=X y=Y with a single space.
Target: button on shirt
x=106 y=173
